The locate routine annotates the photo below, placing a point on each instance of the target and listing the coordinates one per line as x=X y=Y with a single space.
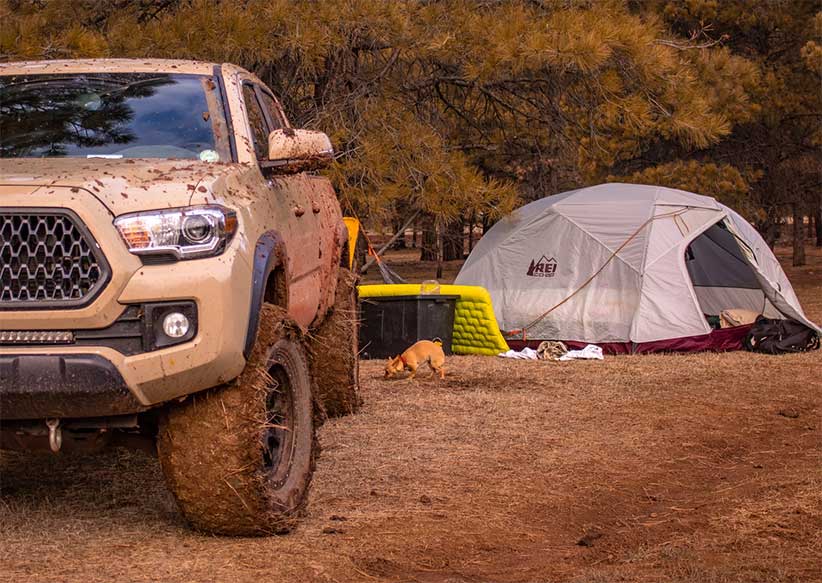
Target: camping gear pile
x=780 y=337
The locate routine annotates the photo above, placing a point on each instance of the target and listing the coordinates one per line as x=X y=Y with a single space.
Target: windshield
x=112 y=115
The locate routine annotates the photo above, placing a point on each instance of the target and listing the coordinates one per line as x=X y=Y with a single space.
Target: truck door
x=325 y=207
x=292 y=207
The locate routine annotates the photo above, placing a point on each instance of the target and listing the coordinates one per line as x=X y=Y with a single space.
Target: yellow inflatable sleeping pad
x=475 y=326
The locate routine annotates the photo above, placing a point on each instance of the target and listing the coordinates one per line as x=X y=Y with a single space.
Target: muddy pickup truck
x=172 y=275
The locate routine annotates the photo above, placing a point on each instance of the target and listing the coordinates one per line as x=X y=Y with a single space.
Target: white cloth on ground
x=590 y=352
x=525 y=354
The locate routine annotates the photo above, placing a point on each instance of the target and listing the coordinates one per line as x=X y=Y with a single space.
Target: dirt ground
x=692 y=469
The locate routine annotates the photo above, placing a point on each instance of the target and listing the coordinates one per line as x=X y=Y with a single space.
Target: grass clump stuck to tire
x=239 y=458
x=334 y=352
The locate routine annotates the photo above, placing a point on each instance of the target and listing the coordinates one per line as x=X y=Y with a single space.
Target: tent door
x=722 y=275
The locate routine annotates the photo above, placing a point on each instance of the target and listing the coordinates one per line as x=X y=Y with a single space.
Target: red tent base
x=722 y=340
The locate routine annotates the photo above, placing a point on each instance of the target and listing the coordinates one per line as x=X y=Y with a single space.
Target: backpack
x=780 y=337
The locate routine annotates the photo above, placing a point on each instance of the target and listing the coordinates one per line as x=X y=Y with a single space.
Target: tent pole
x=396 y=236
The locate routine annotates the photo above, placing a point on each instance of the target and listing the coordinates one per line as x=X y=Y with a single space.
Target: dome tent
x=636 y=265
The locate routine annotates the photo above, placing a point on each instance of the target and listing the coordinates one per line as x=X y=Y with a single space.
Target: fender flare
x=269 y=254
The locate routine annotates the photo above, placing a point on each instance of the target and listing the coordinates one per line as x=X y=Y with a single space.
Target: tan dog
x=419 y=353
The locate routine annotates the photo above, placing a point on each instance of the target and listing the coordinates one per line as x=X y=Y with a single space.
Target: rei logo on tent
x=543 y=268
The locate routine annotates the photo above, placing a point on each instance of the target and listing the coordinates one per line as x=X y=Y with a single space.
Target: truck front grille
x=48 y=259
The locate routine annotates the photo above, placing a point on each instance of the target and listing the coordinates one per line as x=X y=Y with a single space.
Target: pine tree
x=776 y=147
x=465 y=108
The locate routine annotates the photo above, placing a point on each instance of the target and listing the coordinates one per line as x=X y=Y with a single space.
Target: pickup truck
x=173 y=273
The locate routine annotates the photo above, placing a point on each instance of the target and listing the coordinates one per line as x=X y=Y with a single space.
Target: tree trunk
x=396 y=225
x=428 y=240
x=453 y=240
x=471 y=222
x=769 y=229
x=447 y=239
x=439 y=233
x=798 y=236
x=487 y=223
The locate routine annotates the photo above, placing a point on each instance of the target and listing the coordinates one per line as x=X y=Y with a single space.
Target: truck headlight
x=184 y=233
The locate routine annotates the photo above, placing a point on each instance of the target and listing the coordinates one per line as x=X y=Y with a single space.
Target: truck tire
x=334 y=352
x=239 y=458
x=360 y=253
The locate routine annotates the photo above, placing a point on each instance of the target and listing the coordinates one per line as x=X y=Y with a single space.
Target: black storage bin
x=390 y=324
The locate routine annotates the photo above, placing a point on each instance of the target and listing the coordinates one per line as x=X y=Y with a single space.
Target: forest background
x=457 y=111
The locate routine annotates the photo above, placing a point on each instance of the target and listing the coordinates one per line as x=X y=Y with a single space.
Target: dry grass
x=691 y=469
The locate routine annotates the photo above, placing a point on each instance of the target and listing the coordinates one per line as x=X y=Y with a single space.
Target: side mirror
x=291 y=151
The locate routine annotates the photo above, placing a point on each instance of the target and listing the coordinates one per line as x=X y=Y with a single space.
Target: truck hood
x=124 y=185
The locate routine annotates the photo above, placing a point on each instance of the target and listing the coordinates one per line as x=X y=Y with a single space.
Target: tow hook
x=55 y=434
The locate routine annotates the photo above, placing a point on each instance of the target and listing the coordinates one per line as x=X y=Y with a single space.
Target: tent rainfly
x=634 y=266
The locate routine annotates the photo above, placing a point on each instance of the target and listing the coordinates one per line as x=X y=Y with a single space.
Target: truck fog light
x=175 y=325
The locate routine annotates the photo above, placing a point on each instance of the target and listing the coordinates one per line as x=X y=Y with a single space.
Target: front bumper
x=43 y=386
x=90 y=380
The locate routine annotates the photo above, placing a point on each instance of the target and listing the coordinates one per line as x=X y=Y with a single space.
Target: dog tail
x=437 y=341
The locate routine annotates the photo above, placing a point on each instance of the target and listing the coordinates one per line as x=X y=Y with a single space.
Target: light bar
x=35 y=337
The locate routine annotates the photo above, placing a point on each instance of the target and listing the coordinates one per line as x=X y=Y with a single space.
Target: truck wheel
x=360 y=253
x=239 y=458
x=334 y=352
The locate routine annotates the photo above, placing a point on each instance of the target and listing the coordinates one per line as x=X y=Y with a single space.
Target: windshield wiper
x=126 y=86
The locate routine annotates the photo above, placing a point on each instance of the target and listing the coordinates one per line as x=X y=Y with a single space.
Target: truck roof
x=107 y=66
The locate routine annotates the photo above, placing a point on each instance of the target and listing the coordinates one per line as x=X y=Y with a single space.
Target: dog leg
x=437 y=370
